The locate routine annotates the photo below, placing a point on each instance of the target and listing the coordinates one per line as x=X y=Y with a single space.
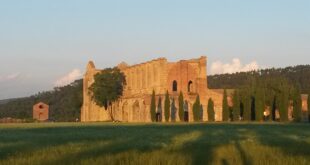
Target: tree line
x=264 y=98
x=170 y=109
x=64 y=103
x=298 y=76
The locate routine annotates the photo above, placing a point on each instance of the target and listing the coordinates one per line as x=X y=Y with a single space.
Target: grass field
x=116 y=143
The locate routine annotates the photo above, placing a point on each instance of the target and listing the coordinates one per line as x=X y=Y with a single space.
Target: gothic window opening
x=190 y=86
x=174 y=86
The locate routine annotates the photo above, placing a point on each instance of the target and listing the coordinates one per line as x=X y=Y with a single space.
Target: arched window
x=174 y=86
x=190 y=86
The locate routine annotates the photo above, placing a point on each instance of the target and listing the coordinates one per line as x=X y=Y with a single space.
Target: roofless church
x=188 y=76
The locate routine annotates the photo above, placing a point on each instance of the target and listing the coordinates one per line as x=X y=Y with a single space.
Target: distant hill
x=6 y=101
x=65 y=102
x=298 y=75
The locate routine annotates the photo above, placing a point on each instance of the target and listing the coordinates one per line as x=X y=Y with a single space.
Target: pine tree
x=236 y=106
x=297 y=105
x=196 y=109
x=211 y=112
x=225 y=109
x=167 y=107
x=153 y=107
x=181 y=106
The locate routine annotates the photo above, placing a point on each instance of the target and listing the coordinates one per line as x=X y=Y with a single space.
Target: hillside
x=65 y=103
x=298 y=75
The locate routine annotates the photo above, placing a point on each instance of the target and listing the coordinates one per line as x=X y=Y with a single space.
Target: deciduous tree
x=107 y=88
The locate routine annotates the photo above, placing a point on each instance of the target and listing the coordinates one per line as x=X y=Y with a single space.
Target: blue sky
x=42 y=42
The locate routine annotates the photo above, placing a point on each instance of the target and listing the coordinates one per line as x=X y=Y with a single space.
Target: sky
x=46 y=43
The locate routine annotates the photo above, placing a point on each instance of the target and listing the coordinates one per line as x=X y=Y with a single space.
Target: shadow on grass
x=153 y=137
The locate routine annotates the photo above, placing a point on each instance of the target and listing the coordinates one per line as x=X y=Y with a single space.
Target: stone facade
x=188 y=76
x=40 y=111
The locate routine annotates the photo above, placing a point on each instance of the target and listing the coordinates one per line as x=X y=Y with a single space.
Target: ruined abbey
x=188 y=76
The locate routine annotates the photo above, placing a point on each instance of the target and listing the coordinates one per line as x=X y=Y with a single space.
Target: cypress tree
x=153 y=107
x=259 y=104
x=159 y=109
x=167 y=107
x=297 y=105
x=236 y=106
x=246 y=101
x=211 y=112
x=196 y=109
x=308 y=103
x=284 y=102
x=225 y=109
x=181 y=106
x=201 y=113
x=173 y=110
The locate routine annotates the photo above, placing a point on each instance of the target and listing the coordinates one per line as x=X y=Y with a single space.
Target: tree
x=153 y=107
x=173 y=110
x=159 y=110
x=211 y=112
x=167 y=107
x=283 y=102
x=308 y=103
x=107 y=88
x=196 y=109
x=181 y=106
x=259 y=104
x=297 y=105
x=247 y=102
x=225 y=109
x=236 y=106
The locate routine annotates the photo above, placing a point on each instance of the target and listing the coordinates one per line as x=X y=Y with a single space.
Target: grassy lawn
x=116 y=143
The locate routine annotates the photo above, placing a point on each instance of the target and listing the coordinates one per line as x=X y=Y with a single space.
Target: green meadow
x=147 y=144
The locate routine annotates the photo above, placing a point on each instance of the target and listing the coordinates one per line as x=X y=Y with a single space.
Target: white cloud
x=235 y=66
x=10 y=77
x=69 y=78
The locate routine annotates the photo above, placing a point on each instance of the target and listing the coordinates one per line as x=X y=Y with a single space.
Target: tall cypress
x=297 y=105
x=173 y=110
x=153 y=107
x=196 y=109
x=181 y=106
x=236 y=106
x=167 y=107
x=159 y=110
x=284 y=103
x=259 y=104
x=211 y=112
x=225 y=109
x=308 y=103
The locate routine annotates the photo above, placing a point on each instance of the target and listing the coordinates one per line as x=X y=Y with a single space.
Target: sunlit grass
x=118 y=143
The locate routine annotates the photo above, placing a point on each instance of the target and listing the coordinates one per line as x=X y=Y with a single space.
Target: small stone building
x=40 y=111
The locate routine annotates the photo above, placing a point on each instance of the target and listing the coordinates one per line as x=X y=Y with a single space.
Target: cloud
x=69 y=78
x=235 y=66
x=10 y=77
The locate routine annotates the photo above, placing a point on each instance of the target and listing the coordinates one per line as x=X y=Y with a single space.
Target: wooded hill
x=298 y=75
x=65 y=102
